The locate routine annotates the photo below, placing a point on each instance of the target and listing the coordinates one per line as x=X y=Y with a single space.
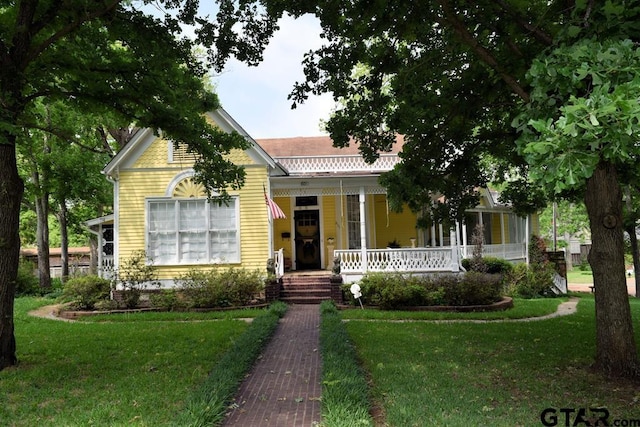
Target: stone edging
x=566 y=308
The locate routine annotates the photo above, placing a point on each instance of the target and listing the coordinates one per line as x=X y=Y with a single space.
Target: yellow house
x=332 y=210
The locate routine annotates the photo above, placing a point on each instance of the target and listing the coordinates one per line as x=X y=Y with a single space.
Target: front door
x=307 y=239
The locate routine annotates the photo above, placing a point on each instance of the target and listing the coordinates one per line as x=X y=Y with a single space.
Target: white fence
x=446 y=259
x=508 y=251
x=402 y=260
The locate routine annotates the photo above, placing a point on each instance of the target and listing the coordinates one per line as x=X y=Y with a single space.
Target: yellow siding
x=157 y=156
x=400 y=227
x=496 y=229
x=152 y=180
x=535 y=224
x=283 y=226
x=330 y=215
x=254 y=221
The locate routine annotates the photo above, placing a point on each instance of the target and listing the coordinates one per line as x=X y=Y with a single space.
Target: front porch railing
x=401 y=260
x=508 y=251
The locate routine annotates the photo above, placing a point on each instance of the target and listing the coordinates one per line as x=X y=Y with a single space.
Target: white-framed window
x=192 y=231
x=353 y=221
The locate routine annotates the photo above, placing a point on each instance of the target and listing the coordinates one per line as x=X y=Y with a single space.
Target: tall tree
x=105 y=57
x=451 y=76
x=582 y=133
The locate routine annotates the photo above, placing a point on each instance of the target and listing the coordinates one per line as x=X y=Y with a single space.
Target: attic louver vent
x=179 y=153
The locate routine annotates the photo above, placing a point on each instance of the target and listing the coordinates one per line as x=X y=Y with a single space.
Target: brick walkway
x=283 y=388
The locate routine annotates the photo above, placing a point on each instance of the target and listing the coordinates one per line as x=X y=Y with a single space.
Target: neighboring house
x=333 y=203
x=79 y=259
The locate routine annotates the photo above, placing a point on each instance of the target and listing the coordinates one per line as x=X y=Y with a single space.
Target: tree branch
x=64 y=136
x=532 y=29
x=483 y=53
x=64 y=31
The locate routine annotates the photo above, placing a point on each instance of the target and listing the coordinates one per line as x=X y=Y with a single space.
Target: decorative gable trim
x=144 y=137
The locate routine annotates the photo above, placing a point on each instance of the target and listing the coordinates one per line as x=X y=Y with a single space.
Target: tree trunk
x=11 y=190
x=42 y=236
x=64 y=239
x=616 y=353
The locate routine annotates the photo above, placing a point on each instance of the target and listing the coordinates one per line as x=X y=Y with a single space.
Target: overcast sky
x=256 y=97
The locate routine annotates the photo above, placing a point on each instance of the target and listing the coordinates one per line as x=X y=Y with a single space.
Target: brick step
x=285 y=293
x=306 y=286
x=304 y=300
x=305 y=280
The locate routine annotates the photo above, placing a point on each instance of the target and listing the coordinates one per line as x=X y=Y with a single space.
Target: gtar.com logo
x=571 y=417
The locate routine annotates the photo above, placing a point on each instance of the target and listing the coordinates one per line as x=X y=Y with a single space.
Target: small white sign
x=355 y=290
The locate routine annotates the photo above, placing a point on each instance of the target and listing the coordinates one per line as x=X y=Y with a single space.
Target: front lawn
x=522 y=308
x=579 y=276
x=498 y=373
x=110 y=373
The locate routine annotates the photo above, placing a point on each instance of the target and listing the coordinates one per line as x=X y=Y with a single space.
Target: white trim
x=130 y=153
x=98 y=221
x=176 y=180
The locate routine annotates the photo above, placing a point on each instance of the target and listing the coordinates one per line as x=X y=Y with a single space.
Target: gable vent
x=178 y=153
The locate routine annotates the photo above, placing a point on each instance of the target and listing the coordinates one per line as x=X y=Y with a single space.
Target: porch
x=354 y=263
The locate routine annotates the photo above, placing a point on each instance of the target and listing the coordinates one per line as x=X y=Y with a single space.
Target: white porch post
x=455 y=261
x=464 y=239
x=502 y=234
x=363 y=230
x=526 y=240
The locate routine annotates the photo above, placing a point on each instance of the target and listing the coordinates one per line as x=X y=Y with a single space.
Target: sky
x=256 y=97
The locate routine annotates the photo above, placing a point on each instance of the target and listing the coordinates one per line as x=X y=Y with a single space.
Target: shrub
x=474 y=288
x=106 y=305
x=167 y=299
x=392 y=291
x=85 y=292
x=491 y=264
x=134 y=274
x=224 y=288
x=27 y=282
x=530 y=281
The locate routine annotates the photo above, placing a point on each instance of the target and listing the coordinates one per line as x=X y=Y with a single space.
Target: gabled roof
x=144 y=137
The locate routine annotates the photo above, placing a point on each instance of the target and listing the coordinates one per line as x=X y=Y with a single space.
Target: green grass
x=345 y=395
x=207 y=405
x=498 y=374
x=523 y=308
x=175 y=316
x=113 y=373
x=145 y=373
x=578 y=276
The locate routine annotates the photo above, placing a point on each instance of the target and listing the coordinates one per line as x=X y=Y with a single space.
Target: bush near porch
x=392 y=291
x=196 y=289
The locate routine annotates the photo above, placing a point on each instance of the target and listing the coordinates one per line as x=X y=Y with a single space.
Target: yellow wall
x=400 y=227
x=151 y=175
x=283 y=226
x=496 y=229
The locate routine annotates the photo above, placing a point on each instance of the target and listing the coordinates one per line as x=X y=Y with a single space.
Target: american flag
x=272 y=207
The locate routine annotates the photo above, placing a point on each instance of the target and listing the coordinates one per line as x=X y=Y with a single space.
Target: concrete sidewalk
x=283 y=388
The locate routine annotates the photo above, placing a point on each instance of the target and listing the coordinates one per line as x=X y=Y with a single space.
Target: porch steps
x=305 y=288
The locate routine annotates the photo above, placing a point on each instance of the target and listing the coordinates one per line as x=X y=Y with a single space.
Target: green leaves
x=598 y=119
